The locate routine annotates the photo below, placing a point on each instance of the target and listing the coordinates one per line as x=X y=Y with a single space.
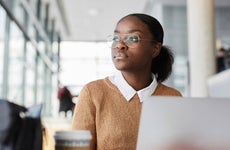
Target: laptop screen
x=201 y=122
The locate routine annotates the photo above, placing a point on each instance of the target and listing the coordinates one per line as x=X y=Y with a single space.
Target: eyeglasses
x=130 y=40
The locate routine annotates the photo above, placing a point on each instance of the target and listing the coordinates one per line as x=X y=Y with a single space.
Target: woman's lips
x=120 y=56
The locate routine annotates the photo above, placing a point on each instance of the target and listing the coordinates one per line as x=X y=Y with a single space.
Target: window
x=16 y=48
x=2 y=34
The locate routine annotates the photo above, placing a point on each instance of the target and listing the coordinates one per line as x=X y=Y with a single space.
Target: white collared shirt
x=128 y=92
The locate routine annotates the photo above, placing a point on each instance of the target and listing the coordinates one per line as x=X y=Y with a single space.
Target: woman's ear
x=156 y=49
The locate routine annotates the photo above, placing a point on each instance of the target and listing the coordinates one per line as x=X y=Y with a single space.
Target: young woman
x=110 y=108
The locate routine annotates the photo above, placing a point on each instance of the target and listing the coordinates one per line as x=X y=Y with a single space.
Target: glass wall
x=30 y=92
x=2 y=37
x=15 y=64
x=28 y=70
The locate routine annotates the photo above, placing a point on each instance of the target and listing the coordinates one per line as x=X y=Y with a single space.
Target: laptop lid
x=219 y=84
x=170 y=120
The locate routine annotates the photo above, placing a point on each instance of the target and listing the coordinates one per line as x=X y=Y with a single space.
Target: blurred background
x=47 y=44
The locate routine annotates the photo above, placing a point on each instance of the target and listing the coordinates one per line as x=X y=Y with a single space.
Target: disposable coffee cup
x=72 y=140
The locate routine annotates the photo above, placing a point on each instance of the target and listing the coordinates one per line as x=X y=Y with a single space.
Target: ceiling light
x=93 y=12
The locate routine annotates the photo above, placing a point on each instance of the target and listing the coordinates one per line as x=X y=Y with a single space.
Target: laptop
x=219 y=84
x=177 y=120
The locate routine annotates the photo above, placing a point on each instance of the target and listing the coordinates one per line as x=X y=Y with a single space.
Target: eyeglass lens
x=130 y=40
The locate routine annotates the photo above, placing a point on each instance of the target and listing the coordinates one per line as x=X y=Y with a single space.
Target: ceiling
x=93 y=20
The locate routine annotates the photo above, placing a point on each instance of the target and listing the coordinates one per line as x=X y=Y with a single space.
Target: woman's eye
x=116 y=39
x=133 y=38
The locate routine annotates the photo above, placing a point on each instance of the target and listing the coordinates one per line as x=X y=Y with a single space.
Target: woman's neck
x=138 y=81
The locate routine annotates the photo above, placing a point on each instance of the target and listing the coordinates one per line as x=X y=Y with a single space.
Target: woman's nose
x=121 y=45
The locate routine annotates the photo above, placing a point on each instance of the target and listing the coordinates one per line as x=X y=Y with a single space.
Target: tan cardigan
x=112 y=120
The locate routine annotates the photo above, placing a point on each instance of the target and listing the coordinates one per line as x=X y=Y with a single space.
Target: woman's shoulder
x=165 y=90
x=98 y=84
x=97 y=90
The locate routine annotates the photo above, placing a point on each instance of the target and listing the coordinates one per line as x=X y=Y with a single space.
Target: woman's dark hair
x=162 y=64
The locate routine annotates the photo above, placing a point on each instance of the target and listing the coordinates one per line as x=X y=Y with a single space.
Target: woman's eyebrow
x=115 y=31
x=130 y=31
x=135 y=30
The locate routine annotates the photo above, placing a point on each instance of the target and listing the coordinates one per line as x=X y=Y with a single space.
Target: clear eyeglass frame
x=130 y=40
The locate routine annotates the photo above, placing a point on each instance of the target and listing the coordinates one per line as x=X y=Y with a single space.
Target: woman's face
x=136 y=57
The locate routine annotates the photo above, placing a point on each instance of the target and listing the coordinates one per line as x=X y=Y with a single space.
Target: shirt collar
x=128 y=92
